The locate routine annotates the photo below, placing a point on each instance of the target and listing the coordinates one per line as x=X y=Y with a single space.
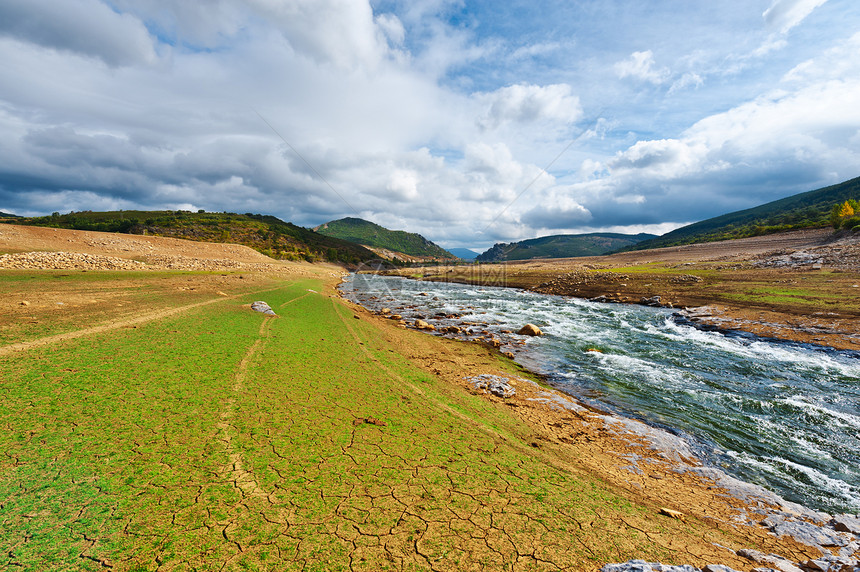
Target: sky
x=470 y=122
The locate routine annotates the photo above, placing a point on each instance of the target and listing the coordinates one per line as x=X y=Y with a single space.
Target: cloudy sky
x=471 y=122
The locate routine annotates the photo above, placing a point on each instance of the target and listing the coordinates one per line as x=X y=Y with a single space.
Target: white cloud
x=685 y=81
x=525 y=103
x=640 y=65
x=664 y=158
x=341 y=32
x=86 y=27
x=403 y=184
x=786 y=14
x=420 y=114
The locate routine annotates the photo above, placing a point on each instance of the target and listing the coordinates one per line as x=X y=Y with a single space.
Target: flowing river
x=780 y=415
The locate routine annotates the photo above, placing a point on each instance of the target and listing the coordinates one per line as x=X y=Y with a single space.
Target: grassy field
x=219 y=439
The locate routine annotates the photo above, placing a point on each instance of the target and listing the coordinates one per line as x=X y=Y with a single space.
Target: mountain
x=372 y=235
x=805 y=210
x=267 y=234
x=463 y=253
x=562 y=246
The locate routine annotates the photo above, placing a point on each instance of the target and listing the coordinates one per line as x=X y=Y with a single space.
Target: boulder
x=422 y=325
x=263 y=308
x=530 y=330
x=847 y=523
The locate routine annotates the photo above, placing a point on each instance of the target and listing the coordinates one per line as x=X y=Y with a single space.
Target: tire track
x=142 y=319
x=234 y=470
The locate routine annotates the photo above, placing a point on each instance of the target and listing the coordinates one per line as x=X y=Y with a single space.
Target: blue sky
x=469 y=122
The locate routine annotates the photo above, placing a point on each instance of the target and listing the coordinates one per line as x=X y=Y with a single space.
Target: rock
x=778 y=562
x=809 y=534
x=369 y=421
x=643 y=566
x=25 y=303
x=395 y=317
x=530 y=330
x=671 y=513
x=846 y=523
x=653 y=301
x=220 y=293
x=495 y=384
x=494 y=343
x=385 y=311
x=422 y=325
x=452 y=330
x=263 y=308
x=685 y=278
x=508 y=355
x=717 y=568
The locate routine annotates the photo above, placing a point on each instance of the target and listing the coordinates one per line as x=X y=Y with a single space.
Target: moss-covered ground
x=221 y=439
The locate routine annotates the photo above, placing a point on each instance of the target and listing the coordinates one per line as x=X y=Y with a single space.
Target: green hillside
x=805 y=210
x=364 y=232
x=562 y=246
x=267 y=234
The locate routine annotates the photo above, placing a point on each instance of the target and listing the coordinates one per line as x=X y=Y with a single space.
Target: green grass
x=221 y=438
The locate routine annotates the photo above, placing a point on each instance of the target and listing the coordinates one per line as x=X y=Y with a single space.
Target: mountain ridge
x=374 y=236
x=562 y=246
x=810 y=209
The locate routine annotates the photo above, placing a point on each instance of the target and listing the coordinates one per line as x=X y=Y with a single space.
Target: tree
x=841 y=212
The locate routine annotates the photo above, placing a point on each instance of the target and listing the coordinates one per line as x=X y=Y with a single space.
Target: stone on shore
x=530 y=330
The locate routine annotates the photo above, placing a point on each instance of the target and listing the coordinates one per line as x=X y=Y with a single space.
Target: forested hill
x=562 y=246
x=805 y=210
x=366 y=233
x=267 y=234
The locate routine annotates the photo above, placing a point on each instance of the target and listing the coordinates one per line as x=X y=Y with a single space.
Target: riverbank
x=153 y=421
x=800 y=286
x=652 y=466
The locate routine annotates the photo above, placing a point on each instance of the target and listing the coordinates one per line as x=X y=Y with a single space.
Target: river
x=784 y=416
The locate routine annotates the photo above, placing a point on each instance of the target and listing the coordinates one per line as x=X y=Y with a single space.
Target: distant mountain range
x=562 y=246
x=464 y=253
x=805 y=210
x=354 y=241
x=379 y=238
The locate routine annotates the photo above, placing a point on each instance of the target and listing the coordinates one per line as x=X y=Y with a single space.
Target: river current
x=784 y=416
